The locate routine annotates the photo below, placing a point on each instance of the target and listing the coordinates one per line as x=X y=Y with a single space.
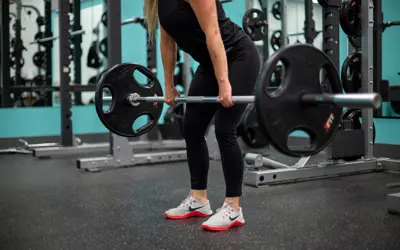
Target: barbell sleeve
x=364 y=100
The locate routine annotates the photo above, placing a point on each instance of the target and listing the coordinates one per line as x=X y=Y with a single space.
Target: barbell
x=301 y=102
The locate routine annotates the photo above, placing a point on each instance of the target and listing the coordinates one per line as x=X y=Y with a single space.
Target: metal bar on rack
x=52 y=38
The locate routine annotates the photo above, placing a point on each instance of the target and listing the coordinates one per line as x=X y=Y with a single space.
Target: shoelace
x=187 y=202
x=225 y=211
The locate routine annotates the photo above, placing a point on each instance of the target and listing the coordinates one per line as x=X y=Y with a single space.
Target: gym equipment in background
x=350 y=17
x=276 y=41
x=255 y=24
x=297 y=103
x=351 y=73
x=277 y=10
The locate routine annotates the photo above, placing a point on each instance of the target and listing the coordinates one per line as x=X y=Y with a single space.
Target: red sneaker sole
x=234 y=224
x=188 y=215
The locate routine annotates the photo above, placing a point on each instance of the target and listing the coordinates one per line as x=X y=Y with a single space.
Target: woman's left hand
x=225 y=95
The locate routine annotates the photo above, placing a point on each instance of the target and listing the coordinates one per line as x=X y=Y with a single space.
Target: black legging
x=244 y=66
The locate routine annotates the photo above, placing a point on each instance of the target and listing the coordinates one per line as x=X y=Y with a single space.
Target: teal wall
x=22 y=122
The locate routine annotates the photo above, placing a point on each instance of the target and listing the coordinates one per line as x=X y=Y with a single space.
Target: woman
x=228 y=65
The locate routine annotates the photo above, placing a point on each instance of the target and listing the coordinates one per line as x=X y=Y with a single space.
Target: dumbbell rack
x=264 y=171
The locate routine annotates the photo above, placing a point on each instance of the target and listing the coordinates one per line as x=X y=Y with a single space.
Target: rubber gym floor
x=49 y=204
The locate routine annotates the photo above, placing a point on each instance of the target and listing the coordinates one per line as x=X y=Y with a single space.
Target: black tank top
x=179 y=21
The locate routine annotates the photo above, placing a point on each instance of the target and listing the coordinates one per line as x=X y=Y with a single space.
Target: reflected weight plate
x=280 y=112
x=351 y=73
x=121 y=115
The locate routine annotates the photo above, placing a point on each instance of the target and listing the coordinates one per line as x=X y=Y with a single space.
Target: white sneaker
x=190 y=207
x=225 y=218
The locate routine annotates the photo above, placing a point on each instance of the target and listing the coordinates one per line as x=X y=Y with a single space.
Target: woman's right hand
x=170 y=94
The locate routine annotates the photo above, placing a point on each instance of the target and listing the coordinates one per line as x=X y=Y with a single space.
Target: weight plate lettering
x=249 y=130
x=121 y=115
x=350 y=17
x=277 y=10
x=351 y=73
x=255 y=24
x=280 y=112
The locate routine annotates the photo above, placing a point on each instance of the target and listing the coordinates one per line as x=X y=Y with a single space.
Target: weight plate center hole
x=324 y=80
x=141 y=122
x=107 y=105
x=140 y=78
x=303 y=145
x=277 y=79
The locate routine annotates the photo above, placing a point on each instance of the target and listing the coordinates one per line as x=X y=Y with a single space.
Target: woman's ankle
x=200 y=195
x=234 y=201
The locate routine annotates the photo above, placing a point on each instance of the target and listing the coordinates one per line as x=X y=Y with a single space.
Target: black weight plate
x=355 y=41
x=277 y=10
x=104 y=19
x=350 y=17
x=351 y=73
x=39 y=35
x=39 y=80
x=323 y=3
x=255 y=24
x=92 y=80
x=249 y=130
x=13 y=63
x=103 y=46
x=276 y=40
x=121 y=115
x=280 y=112
x=39 y=59
x=395 y=106
x=354 y=115
x=40 y=20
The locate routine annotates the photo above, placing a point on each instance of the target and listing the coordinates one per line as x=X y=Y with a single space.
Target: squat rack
x=259 y=170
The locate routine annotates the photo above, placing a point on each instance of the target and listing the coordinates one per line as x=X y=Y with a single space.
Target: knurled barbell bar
x=299 y=103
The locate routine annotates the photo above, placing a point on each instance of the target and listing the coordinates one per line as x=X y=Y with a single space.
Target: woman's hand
x=170 y=94
x=225 y=95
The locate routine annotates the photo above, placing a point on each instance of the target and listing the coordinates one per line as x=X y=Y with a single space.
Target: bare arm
x=206 y=13
x=168 y=55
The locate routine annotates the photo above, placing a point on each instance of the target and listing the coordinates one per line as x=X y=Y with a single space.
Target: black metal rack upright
x=330 y=44
x=67 y=136
x=330 y=24
x=309 y=23
x=377 y=34
x=49 y=54
x=18 y=45
x=5 y=53
x=77 y=51
x=264 y=9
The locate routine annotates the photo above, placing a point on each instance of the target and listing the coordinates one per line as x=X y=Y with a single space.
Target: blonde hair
x=151 y=15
